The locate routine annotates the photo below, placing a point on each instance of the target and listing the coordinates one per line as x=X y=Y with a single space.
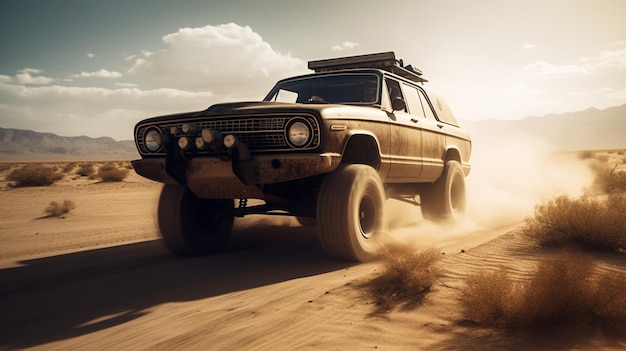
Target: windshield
x=332 y=89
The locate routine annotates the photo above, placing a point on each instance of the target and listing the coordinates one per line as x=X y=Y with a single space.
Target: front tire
x=192 y=226
x=350 y=213
x=445 y=198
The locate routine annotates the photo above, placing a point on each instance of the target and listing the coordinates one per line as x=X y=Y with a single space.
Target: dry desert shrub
x=610 y=180
x=33 y=175
x=125 y=164
x=599 y=224
x=110 y=173
x=5 y=167
x=561 y=290
x=69 y=167
x=407 y=275
x=58 y=209
x=85 y=170
x=586 y=154
x=492 y=298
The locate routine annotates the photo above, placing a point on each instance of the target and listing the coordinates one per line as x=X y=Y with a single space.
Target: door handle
x=414 y=120
x=440 y=126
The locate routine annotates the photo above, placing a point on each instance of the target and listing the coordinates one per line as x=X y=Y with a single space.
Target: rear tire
x=350 y=213
x=445 y=199
x=192 y=226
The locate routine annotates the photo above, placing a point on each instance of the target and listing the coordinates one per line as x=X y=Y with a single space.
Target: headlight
x=299 y=133
x=152 y=140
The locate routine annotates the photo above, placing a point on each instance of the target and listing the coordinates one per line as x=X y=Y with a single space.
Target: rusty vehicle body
x=329 y=146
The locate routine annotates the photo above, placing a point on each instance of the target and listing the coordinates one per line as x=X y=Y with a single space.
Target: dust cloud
x=510 y=175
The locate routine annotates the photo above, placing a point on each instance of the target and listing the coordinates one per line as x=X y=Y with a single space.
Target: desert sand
x=98 y=278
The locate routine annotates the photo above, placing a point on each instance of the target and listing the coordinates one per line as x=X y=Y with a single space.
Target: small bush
x=609 y=181
x=85 y=170
x=595 y=223
x=110 y=173
x=407 y=275
x=492 y=298
x=69 y=167
x=5 y=167
x=563 y=289
x=33 y=175
x=585 y=155
x=57 y=209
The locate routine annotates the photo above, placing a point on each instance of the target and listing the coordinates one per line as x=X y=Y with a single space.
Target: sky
x=96 y=68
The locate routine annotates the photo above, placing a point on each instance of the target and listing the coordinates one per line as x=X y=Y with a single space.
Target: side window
x=428 y=111
x=285 y=96
x=412 y=99
x=443 y=111
x=394 y=90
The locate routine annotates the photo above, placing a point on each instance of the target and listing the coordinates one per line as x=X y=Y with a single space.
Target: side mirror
x=398 y=104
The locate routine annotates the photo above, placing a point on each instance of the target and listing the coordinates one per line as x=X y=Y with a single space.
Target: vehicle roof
x=384 y=60
x=376 y=71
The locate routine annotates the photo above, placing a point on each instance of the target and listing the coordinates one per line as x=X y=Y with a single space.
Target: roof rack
x=384 y=60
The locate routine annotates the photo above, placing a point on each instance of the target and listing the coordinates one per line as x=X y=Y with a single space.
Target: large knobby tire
x=192 y=226
x=350 y=213
x=445 y=199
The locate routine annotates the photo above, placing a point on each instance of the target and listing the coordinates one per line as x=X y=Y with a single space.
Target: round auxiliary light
x=184 y=143
x=152 y=140
x=200 y=144
x=230 y=141
x=174 y=130
x=189 y=128
x=299 y=133
x=211 y=136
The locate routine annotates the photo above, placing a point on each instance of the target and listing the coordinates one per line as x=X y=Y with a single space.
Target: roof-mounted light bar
x=383 y=60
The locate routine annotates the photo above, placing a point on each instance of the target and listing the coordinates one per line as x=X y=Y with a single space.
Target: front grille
x=260 y=133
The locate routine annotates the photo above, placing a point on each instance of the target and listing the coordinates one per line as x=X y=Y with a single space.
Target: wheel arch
x=452 y=154
x=362 y=149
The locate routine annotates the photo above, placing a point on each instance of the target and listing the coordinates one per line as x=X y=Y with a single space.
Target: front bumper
x=214 y=178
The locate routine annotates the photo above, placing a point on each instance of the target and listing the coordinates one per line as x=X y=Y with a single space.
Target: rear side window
x=441 y=108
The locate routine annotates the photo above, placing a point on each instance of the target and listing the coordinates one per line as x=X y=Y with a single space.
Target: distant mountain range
x=591 y=129
x=18 y=144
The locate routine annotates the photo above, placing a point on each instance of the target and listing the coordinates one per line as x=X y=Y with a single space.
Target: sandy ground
x=99 y=279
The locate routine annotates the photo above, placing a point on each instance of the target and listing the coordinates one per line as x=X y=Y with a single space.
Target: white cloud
x=102 y=73
x=346 y=45
x=91 y=55
x=197 y=68
x=541 y=88
x=612 y=58
x=127 y=85
x=226 y=59
x=91 y=111
x=544 y=70
x=27 y=76
x=529 y=46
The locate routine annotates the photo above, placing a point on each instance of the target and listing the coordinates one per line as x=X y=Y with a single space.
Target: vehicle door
x=406 y=140
x=433 y=140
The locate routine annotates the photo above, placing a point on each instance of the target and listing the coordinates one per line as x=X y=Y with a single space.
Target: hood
x=246 y=106
x=251 y=107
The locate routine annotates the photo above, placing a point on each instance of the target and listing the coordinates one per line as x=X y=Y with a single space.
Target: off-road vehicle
x=327 y=147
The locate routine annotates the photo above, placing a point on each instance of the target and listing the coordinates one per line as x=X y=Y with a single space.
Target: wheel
x=445 y=199
x=350 y=213
x=192 y=226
